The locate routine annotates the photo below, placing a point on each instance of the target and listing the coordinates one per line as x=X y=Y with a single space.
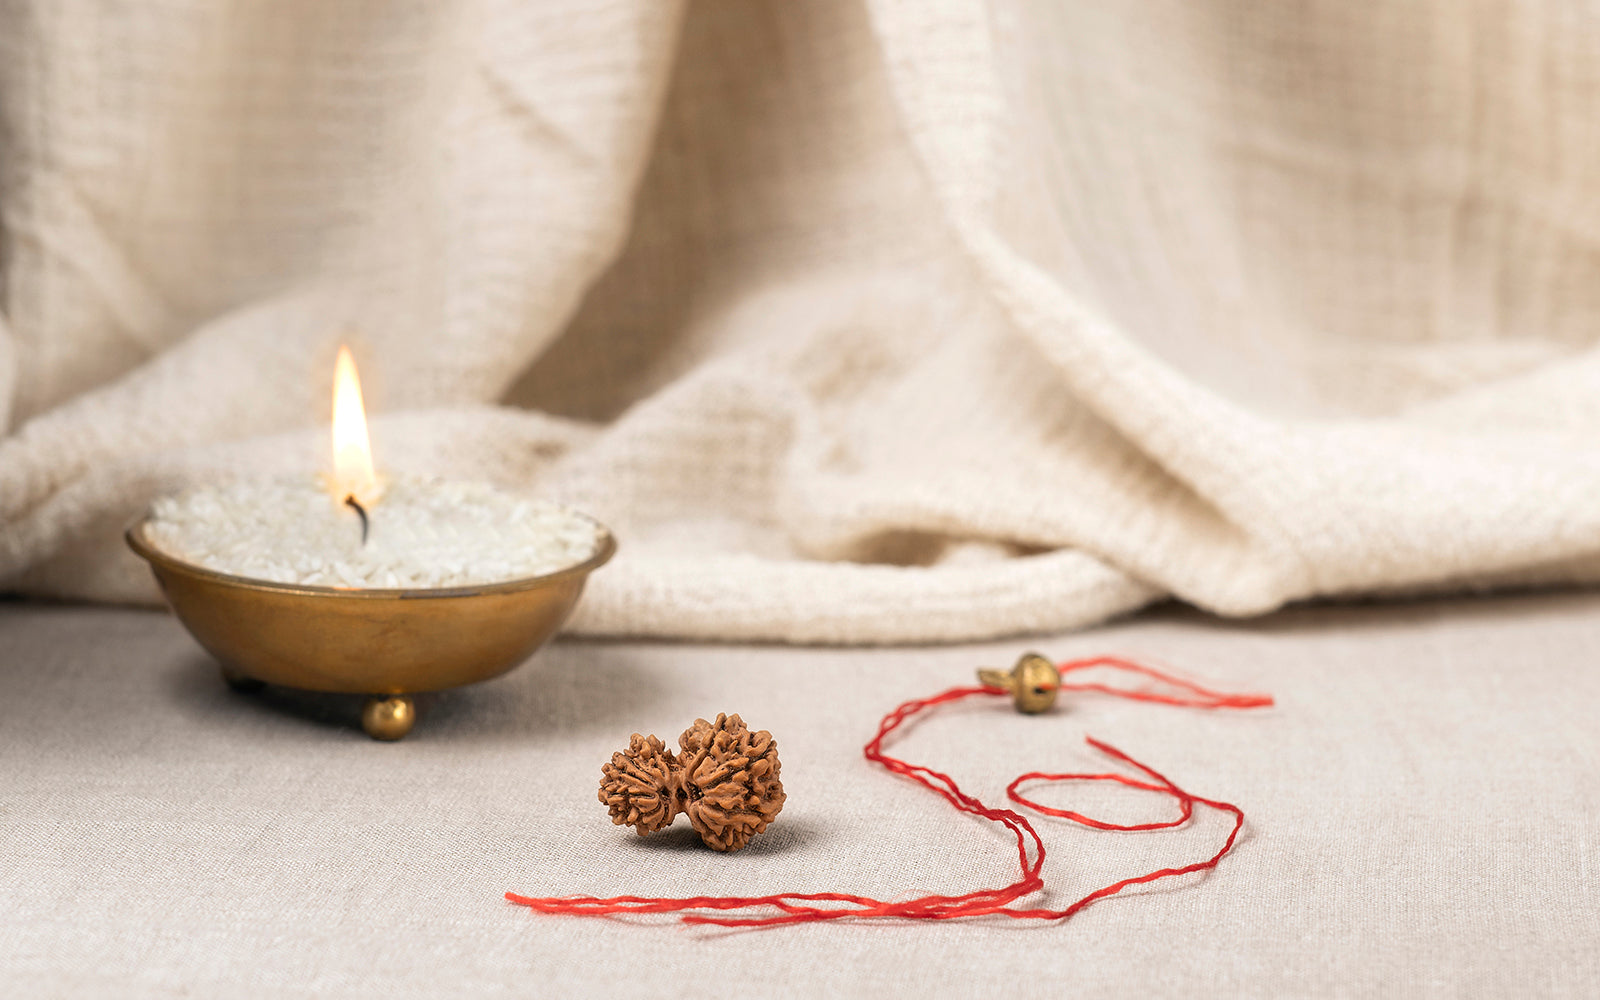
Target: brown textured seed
x=725 y=778
x=635 y=785
x=736 y=773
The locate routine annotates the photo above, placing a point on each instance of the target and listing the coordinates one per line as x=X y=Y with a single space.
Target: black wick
x=350 y=501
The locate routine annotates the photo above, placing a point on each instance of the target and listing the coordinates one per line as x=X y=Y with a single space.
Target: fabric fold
x=858 y=320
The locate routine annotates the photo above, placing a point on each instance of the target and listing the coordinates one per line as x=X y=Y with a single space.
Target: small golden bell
x=1033 y=682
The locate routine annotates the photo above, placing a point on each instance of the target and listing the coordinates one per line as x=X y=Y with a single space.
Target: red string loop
x=1185 y=803
x=789 y=907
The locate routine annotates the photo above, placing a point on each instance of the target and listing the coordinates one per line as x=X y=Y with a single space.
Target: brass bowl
x=387 y=644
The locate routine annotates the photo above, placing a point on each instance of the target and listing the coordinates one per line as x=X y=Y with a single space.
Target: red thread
x=791 y=907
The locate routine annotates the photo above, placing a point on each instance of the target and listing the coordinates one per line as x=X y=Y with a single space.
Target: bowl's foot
x=388 y=717
x=241 y=682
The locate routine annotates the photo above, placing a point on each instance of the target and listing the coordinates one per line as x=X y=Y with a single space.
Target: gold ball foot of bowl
x=388 y=718
x=398 y=642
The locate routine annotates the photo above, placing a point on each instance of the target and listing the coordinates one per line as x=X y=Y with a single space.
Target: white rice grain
x=423 y=533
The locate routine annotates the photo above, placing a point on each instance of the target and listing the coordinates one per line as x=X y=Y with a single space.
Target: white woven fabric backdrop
x=858 y=321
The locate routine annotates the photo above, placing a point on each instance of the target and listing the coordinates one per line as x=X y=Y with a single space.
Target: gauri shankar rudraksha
x=725 y=778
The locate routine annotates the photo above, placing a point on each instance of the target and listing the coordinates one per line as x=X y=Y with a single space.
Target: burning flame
x=353 y=475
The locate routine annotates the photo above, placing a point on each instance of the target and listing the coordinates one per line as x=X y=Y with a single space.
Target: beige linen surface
x=1423 y=819
x=860 y=320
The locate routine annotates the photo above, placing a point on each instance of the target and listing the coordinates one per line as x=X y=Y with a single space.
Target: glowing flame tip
x=353 y=474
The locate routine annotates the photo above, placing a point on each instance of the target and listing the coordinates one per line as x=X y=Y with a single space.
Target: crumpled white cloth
x=858 y=321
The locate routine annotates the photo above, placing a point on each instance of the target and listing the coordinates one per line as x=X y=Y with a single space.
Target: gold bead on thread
x=1033 y=682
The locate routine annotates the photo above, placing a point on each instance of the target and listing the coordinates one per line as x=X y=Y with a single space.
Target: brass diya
x=386 y=644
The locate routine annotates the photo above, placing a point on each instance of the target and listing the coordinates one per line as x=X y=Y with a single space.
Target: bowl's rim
x=135 y=536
